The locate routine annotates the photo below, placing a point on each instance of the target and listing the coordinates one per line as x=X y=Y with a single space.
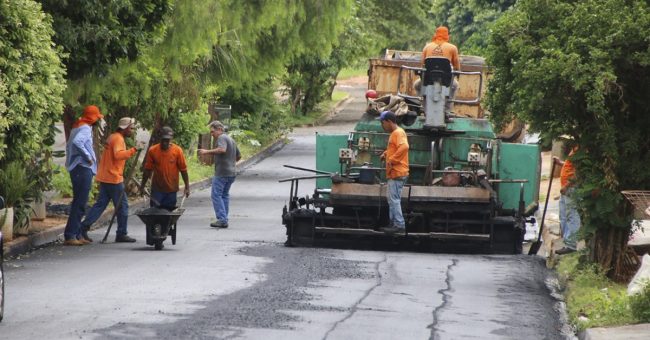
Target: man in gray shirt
x=226 y=155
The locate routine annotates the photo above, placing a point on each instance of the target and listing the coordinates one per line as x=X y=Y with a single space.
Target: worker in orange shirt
x=441 y=47
x=397 y=170
x=569 y=216
x=165 y=160
x=111 y=180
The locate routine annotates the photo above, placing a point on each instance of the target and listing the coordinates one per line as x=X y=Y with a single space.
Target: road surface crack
x=355 y=307
x=445 y=298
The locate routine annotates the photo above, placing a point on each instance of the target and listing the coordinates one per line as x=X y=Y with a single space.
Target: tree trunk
x=69 y=117
x=296 y=96
x=608 y=250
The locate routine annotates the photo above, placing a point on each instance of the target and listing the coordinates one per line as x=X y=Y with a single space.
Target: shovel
x=534 y=248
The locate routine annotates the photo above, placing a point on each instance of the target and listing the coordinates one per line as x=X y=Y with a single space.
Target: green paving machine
x=468 y=190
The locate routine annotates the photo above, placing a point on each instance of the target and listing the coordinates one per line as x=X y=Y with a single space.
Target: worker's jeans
x=395 y=186
x=109 y=192
x=165 y=200
x=221 y=196
x=569 y=218
x=82 y=180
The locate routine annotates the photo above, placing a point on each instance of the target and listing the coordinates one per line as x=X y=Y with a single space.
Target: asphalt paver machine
x=467 y=191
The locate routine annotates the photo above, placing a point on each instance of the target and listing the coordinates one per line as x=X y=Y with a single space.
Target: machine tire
x=173 y=234
x=158 y=245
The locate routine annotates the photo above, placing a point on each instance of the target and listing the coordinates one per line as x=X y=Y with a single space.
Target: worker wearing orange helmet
x=441 y=47
x=81 y=163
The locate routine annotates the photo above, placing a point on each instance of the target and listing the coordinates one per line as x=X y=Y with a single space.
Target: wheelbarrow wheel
x=159 y=245
x=173 y=234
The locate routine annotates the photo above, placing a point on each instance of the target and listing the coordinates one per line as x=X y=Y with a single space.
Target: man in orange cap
x=111 y=180
x=441 y=47
x=81 y=164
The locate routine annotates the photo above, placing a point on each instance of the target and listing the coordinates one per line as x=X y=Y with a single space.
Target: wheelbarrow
x=160 y=223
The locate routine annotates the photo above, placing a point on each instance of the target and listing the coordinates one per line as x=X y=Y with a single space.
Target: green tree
x=469 y=21
x=582 y=68
x=96 y=34
x=397 y=24
x=31 y=81
x=311 y=75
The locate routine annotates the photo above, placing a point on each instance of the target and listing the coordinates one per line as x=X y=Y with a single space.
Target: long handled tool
x=534 y=248
x=155 y=201
x=119 y=202
x=182 y=202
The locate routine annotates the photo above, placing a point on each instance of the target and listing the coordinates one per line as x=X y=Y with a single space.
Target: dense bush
x=640 y=304
x=572 y=68
x=31 y=84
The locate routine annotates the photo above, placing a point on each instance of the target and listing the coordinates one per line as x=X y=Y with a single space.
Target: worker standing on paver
x=397 y=170
x=111 y=180
x=165 y=160
x=81 y=163
x=569 y=216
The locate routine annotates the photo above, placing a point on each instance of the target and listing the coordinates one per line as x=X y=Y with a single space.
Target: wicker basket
x=640 y=199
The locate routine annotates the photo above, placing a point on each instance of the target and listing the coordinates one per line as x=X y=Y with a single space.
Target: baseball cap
x=388 y=115
x=125 y=122
x=166 y=133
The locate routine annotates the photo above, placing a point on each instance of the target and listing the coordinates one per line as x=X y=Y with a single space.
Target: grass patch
x=320 y=112
x=351 y=72
x=592 y=299
x=196 y=170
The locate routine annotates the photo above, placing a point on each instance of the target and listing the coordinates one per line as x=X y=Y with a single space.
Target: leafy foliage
x=640 y=304
x=96 y=33
x=396 y=24
x=469 y=21
x=31 y=83
x=259 y=114
x=15 y=184
x=589 y=80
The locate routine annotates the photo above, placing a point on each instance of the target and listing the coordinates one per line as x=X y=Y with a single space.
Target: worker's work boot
x=73 y=242
x=124 y=238
x=393 y=230
x=84 y=234
x=219 y=224
x=564 y=251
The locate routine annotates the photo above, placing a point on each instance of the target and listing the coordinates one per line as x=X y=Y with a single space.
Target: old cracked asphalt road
x=242 y=283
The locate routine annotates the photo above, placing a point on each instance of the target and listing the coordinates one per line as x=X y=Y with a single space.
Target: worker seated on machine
x=439 y=69
x=437 y=80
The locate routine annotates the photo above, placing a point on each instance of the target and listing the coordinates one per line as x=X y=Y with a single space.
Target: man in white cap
x=111 y=180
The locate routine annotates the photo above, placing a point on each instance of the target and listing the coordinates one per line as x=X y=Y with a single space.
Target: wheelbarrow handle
x=155 y=201
x=182 y=201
